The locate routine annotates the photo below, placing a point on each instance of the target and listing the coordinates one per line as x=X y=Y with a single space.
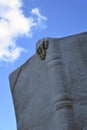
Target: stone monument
x=50 y=90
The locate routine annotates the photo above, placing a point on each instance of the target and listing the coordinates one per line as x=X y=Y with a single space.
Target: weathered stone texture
x=51 y=94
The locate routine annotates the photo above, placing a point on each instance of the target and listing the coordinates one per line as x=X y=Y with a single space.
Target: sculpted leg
x=62 y=104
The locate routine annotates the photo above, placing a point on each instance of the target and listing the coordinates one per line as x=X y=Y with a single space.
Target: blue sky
x=22 y=24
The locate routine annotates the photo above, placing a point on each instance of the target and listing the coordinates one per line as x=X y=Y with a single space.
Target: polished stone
x=50 y=90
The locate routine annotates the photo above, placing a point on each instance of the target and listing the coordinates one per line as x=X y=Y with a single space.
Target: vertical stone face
x=49 y=91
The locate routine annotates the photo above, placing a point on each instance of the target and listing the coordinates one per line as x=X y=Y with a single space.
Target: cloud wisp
x=13 y=24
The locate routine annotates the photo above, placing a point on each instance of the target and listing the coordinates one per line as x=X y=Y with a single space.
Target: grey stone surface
x=50 y=92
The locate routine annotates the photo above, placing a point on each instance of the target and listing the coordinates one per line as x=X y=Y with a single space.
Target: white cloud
x=13 y=23
x=40 y=18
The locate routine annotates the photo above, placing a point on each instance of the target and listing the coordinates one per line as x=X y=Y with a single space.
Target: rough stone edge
x=13 y=76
